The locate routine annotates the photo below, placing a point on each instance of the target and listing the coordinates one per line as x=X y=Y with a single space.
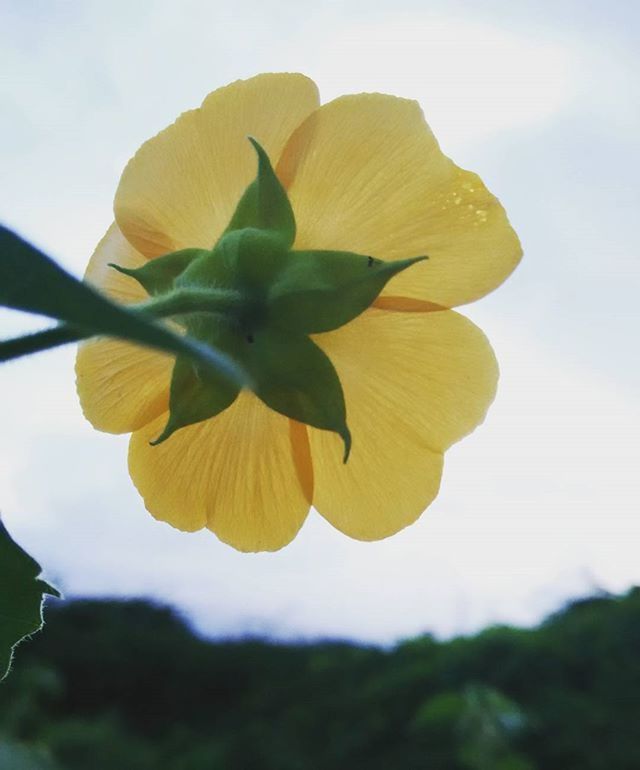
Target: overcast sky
x=539 y=504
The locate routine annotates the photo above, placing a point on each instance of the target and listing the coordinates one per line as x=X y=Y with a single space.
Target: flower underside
x=258 y=300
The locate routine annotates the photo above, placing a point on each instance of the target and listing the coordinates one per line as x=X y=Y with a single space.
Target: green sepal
x=21 y=597
x=195 y=395
x=30 y=281
x=157 y=275
x=245 y=260
x=293 y=376
x=322 y=290
x=289 y=372
x=264 y=204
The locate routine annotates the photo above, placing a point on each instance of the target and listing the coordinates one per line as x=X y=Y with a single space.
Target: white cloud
x=473 y=79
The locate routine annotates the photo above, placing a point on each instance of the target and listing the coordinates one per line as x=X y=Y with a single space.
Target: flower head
x=360 y=191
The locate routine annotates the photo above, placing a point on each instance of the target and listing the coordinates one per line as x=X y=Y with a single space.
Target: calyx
x=257 y=299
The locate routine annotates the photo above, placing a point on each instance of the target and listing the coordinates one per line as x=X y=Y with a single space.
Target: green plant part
x=21 y=597
x=32 y=282
x=257 y=300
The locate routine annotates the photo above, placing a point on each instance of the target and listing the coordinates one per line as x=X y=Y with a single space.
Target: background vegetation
x=126 y=685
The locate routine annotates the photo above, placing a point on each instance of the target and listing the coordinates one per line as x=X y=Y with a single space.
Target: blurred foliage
x=115 y=685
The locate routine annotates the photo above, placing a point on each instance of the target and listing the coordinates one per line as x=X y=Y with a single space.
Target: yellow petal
x=235 y=474
x=114 y=248
x=121 y=386
x=364 y=173
x=414 y=383
x=181 y=188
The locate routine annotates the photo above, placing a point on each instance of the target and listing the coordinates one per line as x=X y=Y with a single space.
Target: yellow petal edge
x=121 y=386
x=182 y=186
x=425 y=381
x=234 y=474
x=365 y=173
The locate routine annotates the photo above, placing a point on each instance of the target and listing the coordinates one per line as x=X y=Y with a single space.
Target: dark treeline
x=127 y=686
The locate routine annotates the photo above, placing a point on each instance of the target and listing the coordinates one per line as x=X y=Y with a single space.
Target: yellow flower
x=364 y=174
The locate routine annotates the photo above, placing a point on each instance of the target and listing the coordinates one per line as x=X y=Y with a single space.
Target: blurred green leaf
x=21 y=597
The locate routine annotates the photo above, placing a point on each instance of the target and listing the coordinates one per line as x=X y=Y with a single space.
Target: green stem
x=39 y=341
x=176 y=303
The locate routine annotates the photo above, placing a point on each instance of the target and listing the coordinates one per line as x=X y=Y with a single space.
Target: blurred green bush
x=127 y=686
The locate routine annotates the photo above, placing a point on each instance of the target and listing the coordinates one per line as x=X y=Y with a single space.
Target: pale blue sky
x=542 y=501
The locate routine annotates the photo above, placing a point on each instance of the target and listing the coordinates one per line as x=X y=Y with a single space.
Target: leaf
x=322 y=290
x=31 y=281
x=157 y=275
x=21 y=597
x=293 y=376
x=265 y=204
